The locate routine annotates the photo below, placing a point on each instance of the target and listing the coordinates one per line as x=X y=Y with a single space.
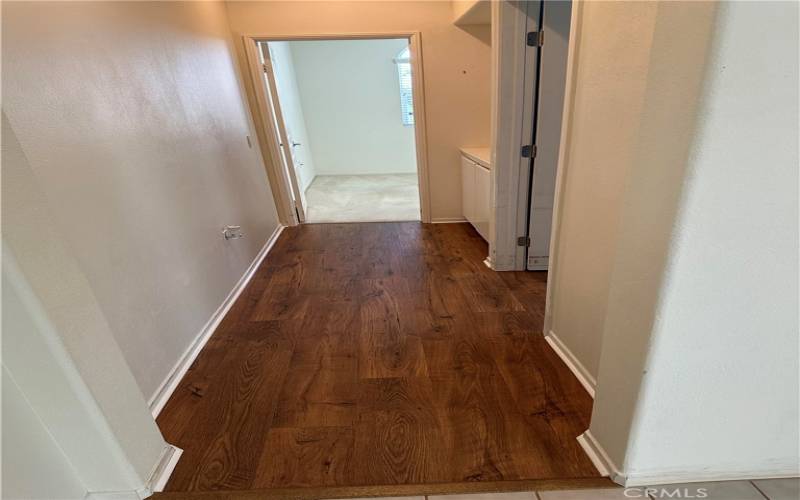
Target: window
x=403 y=62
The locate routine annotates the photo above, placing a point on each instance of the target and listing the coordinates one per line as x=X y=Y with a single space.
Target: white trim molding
x=509 y=24
x=116 y=495
x=603 y=463
x=170 y=383
x=448 y=220
x=163 y=469
x=155 y=483
x=600 y=459
x=650 y=478
x=586 y=379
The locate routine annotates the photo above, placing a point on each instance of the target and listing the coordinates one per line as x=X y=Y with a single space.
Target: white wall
x=604 y=117
x=719 y=394
x=456 y=65
x=691 y=301
x=292 y=111
x=132 y=121
x=60 y=351
x=34 y=467
x=351 y=97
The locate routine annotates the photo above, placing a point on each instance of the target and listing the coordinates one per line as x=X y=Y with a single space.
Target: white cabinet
x=482 y=193
x=468 y=188
x=476 y=195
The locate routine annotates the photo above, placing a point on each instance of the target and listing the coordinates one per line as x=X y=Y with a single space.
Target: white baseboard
x=652 y=478
x=505 y=263
x=170 y=383
x=600 y=459
x=155 y=483
x=333 y=221
x=163 y=470
x=448 y=220
x=115 y=495
x=597 y=454
x=576 y=367
x=309 y=183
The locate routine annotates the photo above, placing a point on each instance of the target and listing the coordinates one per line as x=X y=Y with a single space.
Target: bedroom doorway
x=344 y=116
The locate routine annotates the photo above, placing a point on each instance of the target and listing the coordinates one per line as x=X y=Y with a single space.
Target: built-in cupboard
x=476 y=188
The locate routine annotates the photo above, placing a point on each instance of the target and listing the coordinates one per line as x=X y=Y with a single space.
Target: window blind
x=403 y=63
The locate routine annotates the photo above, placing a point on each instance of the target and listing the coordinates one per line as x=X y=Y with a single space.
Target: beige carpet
x=363 y=198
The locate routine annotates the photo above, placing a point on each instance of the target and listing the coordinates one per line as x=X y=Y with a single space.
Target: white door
x=298 y=158
x=287 y=154
x=555 y=24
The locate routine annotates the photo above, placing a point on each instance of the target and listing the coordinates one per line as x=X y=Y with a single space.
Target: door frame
x=511 y=129
x=268 y=138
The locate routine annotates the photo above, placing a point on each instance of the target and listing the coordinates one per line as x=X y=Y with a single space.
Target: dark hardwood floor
x=376 y=354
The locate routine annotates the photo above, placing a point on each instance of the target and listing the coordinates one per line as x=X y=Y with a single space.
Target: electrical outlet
x=232 y=232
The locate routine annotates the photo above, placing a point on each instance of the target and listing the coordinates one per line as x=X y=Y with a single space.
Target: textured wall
x=132 y=120
x=605 y=114
x=719 y=394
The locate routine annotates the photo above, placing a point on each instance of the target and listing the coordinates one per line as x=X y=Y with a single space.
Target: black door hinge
x=528 y=151
x=523 y=241
x=535 y=38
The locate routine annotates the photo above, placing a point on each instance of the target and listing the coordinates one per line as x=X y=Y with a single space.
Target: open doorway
x=344 y=120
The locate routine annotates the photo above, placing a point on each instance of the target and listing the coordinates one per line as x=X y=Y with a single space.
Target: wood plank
x=315 y=456
x=553 y=404
x=398 y=436
x=530 y=288
x=487 y=293
x=320 y=387
x=219 y=451
x=385 y=348
x=487 y=437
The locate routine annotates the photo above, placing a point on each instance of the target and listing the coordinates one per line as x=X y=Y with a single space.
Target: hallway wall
x=708 y=349
x=594 y=172
x=456 y=65
x=34 y=467
x=676 y=277
x=351 y=98
x=62 y=356
x=133 y=123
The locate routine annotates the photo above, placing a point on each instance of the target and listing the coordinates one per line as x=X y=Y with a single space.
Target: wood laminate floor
x=375 y=354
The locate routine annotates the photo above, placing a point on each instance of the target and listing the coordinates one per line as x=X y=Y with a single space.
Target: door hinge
x=523 y=241
x=528 y=151
x=535 y=38
x=265 y=68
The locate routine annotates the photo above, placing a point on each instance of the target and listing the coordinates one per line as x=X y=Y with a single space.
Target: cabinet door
x=468 y=188
x=482 y=200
